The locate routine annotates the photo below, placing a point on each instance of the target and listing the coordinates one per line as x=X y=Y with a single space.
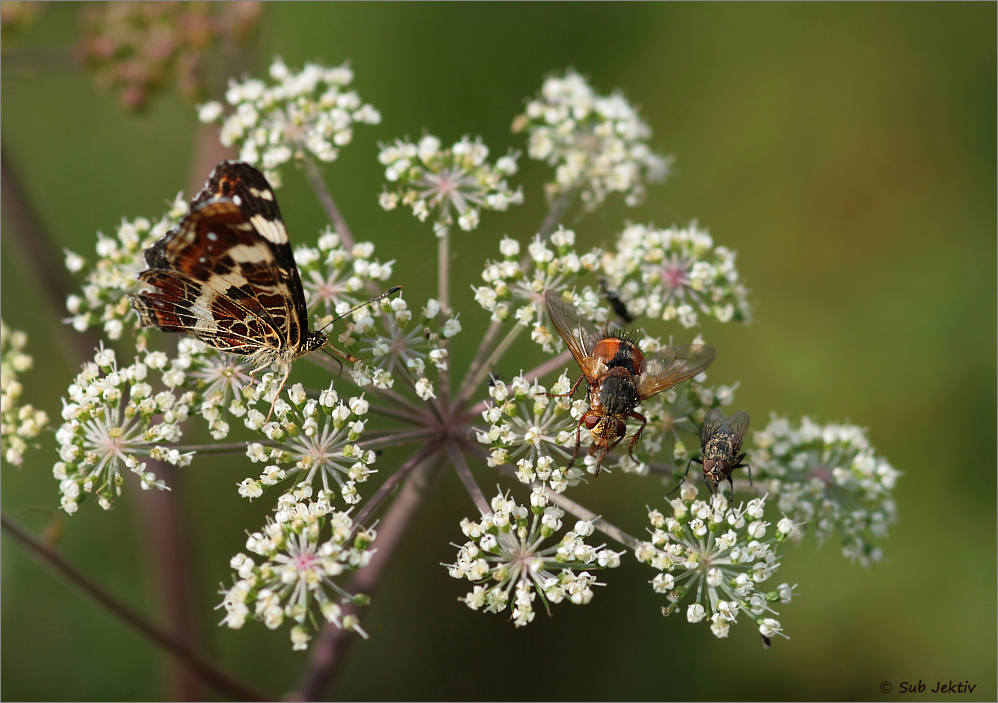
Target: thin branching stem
x=538 y=372
x=556 y=212
x=488 y=343
x=391 y=438
x=464 y=473
x=209 y=674
x=609 y=529
x=229 y=448
x=473 y=382
x=328 y=652
x=314 y=176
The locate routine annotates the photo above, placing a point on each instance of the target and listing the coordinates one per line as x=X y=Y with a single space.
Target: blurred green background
x=846 y=151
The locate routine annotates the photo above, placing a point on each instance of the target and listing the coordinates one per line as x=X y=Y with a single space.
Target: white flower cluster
x=676 y=274
x=503 y=556
x=598 y=144
x=108 y=425
x=114 y=274
x=298 y=116
x=292 y=573
x=18 y=423
x=551 y=264
x=720 y=556
x=534 y=430
x=831 y=478
x=455 y=182
x=403 y=346
x=319 y=436
x=336 y=278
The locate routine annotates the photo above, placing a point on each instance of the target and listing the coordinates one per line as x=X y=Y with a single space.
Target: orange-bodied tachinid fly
x=618 y=374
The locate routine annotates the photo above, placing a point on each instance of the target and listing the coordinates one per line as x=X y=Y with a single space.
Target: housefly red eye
x=591 y=421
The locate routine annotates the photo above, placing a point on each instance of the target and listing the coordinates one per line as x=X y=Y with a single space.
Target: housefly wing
x=739 y=426
x=713 y=422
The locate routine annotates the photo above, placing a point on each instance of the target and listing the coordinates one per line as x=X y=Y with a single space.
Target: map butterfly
x=227 y=275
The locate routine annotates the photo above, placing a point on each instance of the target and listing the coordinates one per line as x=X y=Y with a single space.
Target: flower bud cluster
x=831 y=478
x=296 y=116
x=551 y=264
x=337 y=278
x=534 y=431
x=504 y=558
x=114 y=274
x=454 y=183
x=405 y=346
x=139 y=49
x=114 y=418
x=19 y=422
x=289 y=572
x=719 y=557
x=597 y=144
x=318 y=436
x=676 y=274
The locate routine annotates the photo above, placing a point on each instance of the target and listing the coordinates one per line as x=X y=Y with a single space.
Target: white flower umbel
x=114 y=274
x=109 y=426
x=318 y=437
x=335 y=277
x=719 y=557
x=19 y=422
x=533 y=431
x=597 y=144
x=829 y=477
x=550 y=264
x=291 y=575
x=295 y=116
x=453 y=184
x=676 y=274
x=505 y=558
x=395 y=343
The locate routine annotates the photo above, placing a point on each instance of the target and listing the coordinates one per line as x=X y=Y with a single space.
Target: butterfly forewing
x=667 y=367
x=223 y=281
x=252 y=194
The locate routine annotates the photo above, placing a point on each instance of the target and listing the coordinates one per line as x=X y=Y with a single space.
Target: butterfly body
x=618 y=374
x=227 y=275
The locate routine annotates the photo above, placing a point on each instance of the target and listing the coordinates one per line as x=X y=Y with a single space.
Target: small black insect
x=613 y=297
x=720 y=443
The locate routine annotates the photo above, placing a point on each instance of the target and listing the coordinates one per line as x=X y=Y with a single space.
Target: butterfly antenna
x=393 y=289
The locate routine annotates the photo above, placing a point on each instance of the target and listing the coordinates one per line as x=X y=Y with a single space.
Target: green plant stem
x=314 y=176
x=464 y=473
x=472 y=382
x=209 y=674
x=556 y=212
